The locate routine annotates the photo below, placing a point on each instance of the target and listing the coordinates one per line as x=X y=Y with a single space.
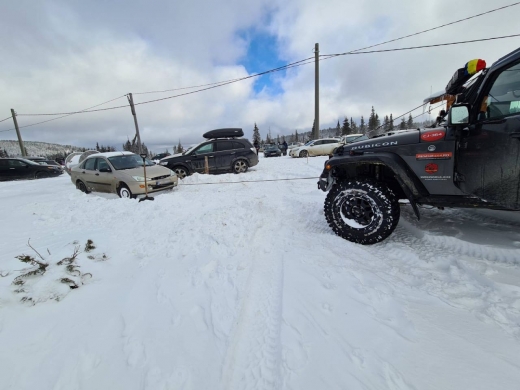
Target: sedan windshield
x=128 y=161
x=309 y=143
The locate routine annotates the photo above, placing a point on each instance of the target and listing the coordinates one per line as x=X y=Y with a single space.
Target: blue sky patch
x=262 y=55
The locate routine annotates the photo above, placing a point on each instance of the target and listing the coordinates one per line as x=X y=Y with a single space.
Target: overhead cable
x=327 y=56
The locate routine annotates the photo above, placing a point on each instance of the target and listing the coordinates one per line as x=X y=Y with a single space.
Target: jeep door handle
x=515 y=135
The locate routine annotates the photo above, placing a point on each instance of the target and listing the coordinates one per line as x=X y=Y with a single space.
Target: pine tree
x=346 y=129
x=97 y=146
x=409 y=124
x=353 y=126
x=256 y=136
x=296 y=136
x=180 y=148
x=312 y=129
x=386 y=123
x=362 y=126
x=402 y=125
x=338 y=129
x=372 y=120
x=391 y=123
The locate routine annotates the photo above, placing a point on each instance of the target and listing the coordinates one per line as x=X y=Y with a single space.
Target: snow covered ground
x=244 y=286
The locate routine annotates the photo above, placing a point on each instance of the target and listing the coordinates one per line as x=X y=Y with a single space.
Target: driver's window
x=503 y=99
x=102 y=164
x=90 y=164
x=208 y=148
x=16 y=163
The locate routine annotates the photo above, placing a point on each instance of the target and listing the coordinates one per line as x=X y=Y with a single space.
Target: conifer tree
x=180 y=149
x=256 y=135
x=391 y=123
x=372 y=120
x=353 y=125
x=386 y=123
x=296 y=136
x=338 y=128
x=402 y=125
x=345 y=129
x=409 y=124
x=362 y=126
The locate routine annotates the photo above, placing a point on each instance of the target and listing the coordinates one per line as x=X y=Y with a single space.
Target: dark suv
x=471 y=160
x=223 y=151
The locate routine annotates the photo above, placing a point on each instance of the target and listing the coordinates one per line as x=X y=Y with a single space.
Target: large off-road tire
x=362 y=211
x=304 y=153
x=240 y=166
x=82 y=187
x=180 y=171
x=124 y=192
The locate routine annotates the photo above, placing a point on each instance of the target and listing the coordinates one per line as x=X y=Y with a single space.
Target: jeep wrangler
x=470 y=159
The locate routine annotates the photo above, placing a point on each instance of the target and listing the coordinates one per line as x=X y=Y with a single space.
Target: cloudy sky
x=68 y=55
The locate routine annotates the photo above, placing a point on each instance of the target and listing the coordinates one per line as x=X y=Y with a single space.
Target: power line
x=69 y=114
x=295 y=64
x=356 y=50
x=436 y=28
x=9 y=117
x=417 y=47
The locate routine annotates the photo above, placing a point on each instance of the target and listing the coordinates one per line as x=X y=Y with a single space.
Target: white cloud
x=65 y=56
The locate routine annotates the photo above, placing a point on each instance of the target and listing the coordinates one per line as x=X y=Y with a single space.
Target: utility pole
x=316 y=133
x=131 y=101
x=22 y=148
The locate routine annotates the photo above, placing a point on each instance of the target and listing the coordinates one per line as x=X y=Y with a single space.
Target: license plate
x=162 y=182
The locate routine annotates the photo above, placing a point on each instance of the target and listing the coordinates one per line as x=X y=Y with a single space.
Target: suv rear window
x=225 y=145
x=238 y=145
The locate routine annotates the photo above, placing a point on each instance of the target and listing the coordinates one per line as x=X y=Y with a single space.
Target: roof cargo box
x=223 y=133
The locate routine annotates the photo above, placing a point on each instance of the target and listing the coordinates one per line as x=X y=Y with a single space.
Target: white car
x=318 y=147
x=348 y=139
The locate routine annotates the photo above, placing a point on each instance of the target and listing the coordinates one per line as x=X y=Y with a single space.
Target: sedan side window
x=90 y=164
x=4 y=163
x=503 y=99
x=208 y=148
x=102 y=164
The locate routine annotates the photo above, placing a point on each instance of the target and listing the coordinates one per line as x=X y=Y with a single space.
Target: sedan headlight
x=138 y=178
x=163 y=162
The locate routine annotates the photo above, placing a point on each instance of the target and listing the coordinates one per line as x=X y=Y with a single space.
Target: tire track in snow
x=254 y=353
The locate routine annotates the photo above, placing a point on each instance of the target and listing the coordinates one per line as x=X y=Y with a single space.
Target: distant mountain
x=42 y=149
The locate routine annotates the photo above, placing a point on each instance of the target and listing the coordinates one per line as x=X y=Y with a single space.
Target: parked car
x=20 y=168
x=272 y=150
x=121 y=173
x=160 y=156
x=224 y=150
x=317 y=147
x=350 y=138
x=76 y=158
x=293 y=145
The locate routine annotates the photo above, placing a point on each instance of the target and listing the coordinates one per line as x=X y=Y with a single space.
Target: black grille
x=160 y=177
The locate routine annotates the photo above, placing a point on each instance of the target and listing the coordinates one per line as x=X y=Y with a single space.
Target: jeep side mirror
x=459 y=115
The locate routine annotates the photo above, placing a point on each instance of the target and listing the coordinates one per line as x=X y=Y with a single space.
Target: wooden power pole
x=316 y=132
x=22 y=148
x=131 y=101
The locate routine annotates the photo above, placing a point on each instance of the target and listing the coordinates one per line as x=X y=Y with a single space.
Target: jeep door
x=224 y=155
x=197 y=158
x=489 y=157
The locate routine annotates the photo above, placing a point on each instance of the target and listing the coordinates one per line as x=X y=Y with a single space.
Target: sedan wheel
x=304 y=153
x=82 y=187
x=240 y=166
x=124 y=192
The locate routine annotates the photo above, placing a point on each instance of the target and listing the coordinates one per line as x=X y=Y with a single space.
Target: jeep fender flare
x=408 y=181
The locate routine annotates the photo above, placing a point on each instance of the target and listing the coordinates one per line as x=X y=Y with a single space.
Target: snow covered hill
x=223 y=284
x=42 y=149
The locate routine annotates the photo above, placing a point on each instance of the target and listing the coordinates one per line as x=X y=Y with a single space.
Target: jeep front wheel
x=362 y=211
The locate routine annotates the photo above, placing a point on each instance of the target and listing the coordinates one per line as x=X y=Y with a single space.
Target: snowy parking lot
x=225 y=285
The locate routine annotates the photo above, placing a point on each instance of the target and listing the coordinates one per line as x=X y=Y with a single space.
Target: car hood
x=151 y=171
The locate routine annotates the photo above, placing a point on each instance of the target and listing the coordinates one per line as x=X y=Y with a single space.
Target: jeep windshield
x=128 y=161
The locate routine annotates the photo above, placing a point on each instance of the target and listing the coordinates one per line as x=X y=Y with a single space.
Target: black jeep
x=472 y=159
